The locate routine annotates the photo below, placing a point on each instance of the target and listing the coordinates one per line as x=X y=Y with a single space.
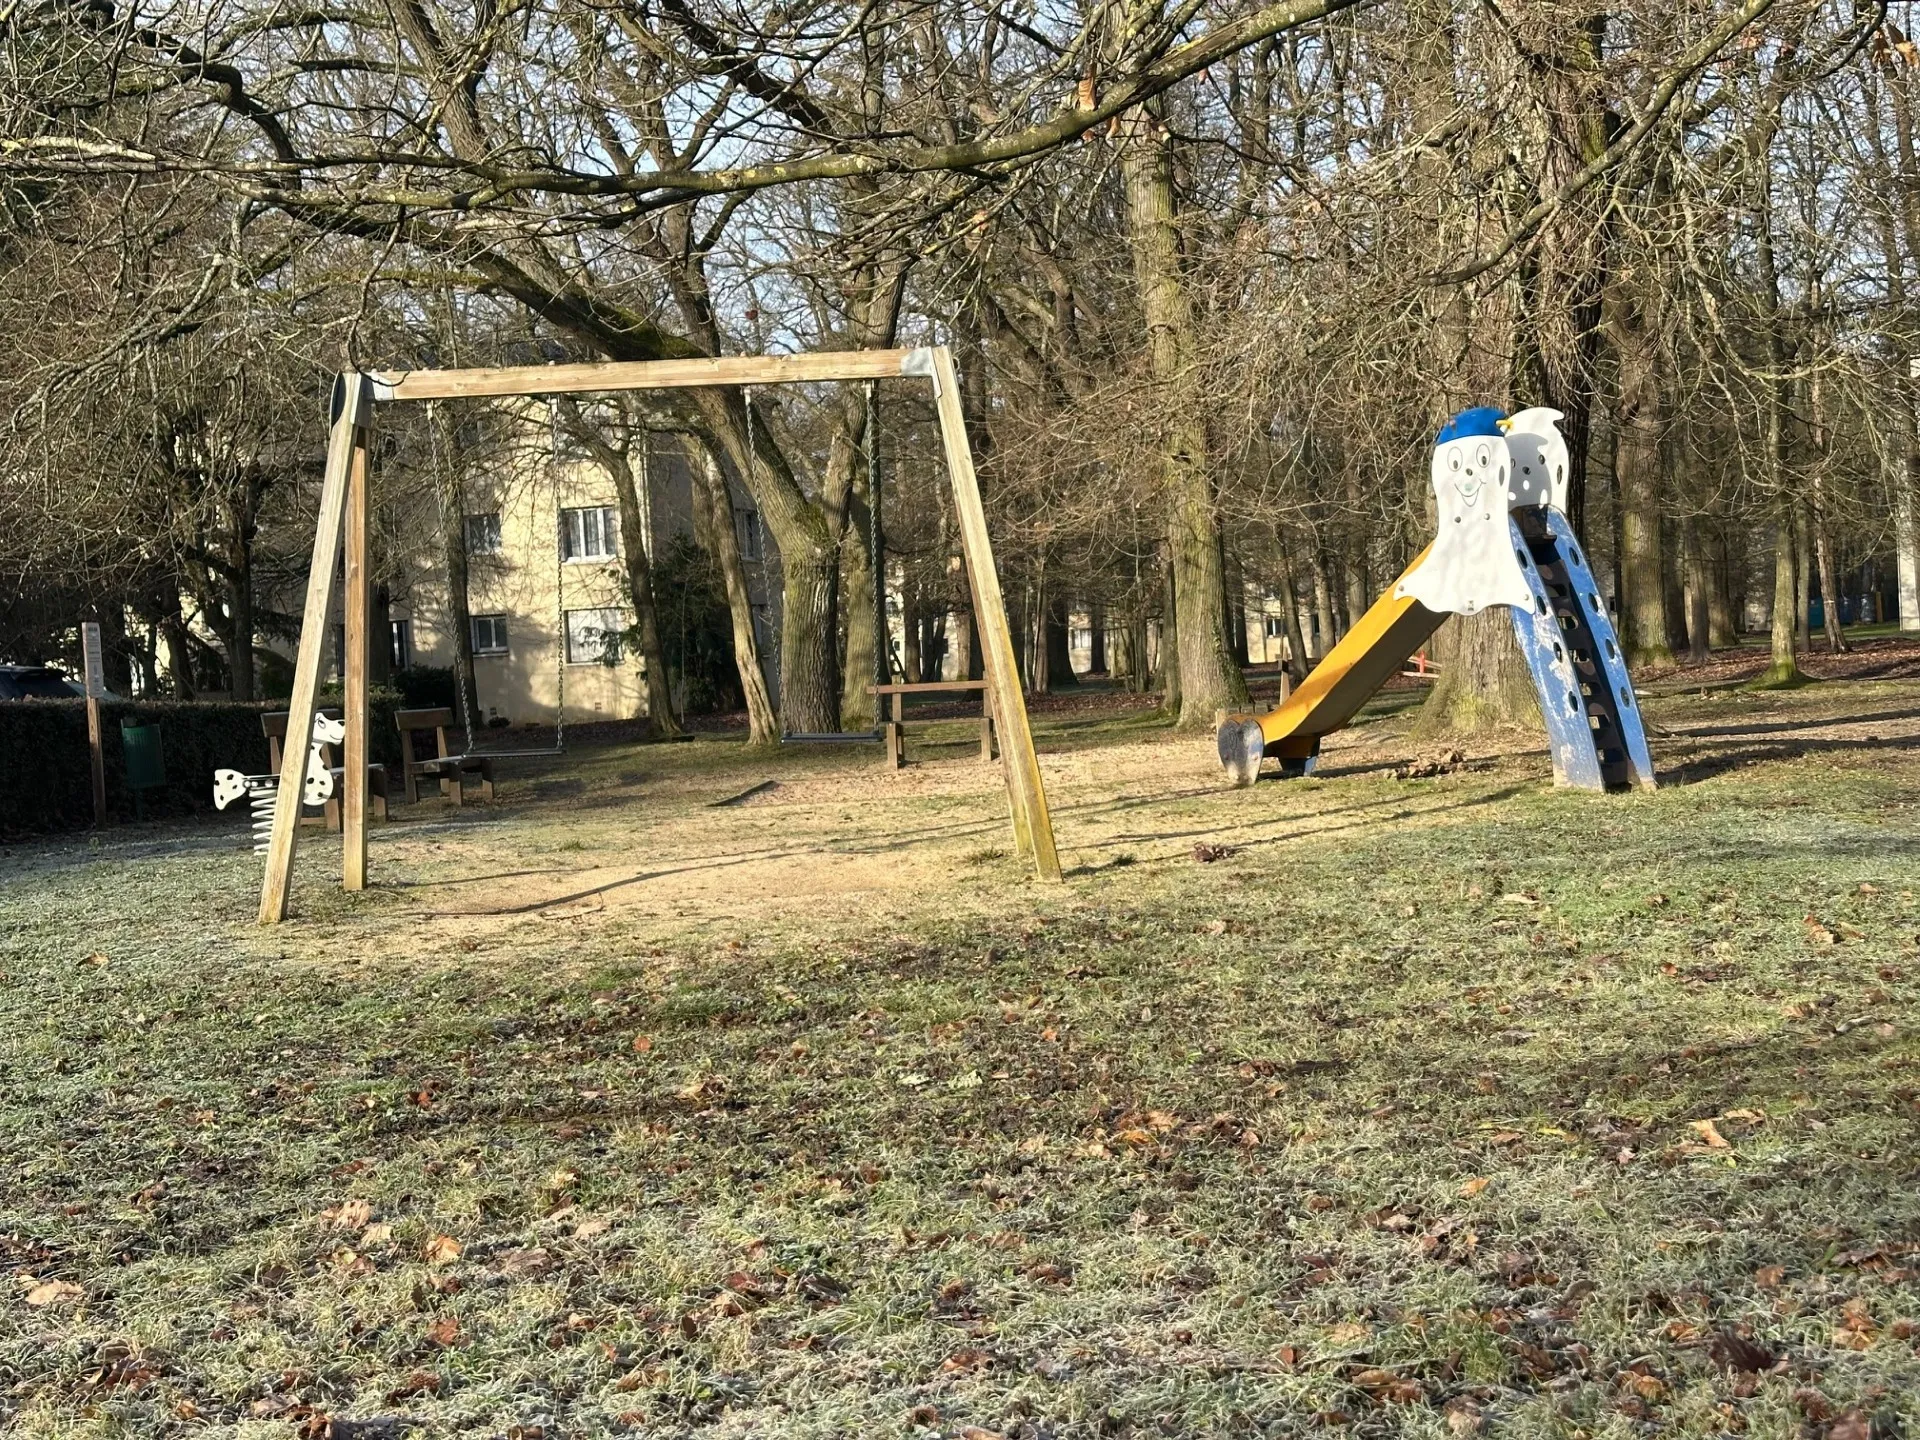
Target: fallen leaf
x=642 y=1044
x=419 y=1382
x=1474 y=1186
x=1709 y=1133
x=53 y=1292
x=348 y=1215
x=1731 y=1351
x=442 y=1250
x=1349 y=1332
x=591 y=1226
x=444 y=1331
x=1854 y=1425
x=965 y=1362
x=1768 y=1277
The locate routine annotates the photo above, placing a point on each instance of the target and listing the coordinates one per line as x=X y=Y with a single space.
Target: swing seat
x=449 y=770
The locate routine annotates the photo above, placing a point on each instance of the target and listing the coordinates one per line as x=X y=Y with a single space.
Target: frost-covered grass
x=1437 y=1105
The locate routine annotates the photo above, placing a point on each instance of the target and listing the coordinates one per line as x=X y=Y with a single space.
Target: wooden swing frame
x=342 y=525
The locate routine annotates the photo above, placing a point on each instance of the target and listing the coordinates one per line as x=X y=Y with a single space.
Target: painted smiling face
x=1469 y=468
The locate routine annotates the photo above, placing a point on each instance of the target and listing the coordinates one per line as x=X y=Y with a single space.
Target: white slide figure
x=1471 y=564
x=1539 y=454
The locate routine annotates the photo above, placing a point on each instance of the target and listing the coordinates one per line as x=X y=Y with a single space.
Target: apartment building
x=548 y=591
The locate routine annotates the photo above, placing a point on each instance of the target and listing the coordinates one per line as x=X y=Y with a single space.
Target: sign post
x=96 y=680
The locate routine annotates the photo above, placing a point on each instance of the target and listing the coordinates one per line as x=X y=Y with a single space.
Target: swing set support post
x=343 y=524
x=352 y=413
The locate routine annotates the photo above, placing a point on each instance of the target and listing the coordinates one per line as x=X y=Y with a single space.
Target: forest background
x=1213 y=273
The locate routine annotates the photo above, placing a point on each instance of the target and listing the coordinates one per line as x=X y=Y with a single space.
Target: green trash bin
x=146 y=763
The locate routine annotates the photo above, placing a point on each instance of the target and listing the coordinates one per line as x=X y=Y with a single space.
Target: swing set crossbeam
x=342 y=525
x=649 y=375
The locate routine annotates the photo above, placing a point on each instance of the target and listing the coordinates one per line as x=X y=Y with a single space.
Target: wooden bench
x=273 y=725
x=893 y=729
x=450 y=770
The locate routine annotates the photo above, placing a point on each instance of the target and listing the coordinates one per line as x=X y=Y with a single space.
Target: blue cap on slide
x=1481 y=420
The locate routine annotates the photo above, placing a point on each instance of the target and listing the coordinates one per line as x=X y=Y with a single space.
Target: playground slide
x=1369 y=655
x=1500 y=489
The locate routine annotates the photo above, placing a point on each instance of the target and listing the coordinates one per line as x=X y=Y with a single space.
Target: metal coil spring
x=261 y=797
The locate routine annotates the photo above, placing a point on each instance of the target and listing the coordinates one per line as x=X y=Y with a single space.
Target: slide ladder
x=1586 y=698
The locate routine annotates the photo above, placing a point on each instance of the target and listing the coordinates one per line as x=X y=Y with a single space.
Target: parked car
x=36 y=682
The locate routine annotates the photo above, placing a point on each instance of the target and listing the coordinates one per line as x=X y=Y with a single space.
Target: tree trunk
x=1784 y=669
x=1120 y=665
x=239 y=636
x=1803 y=580
x=1484 y=683
x=380 y=636
x=1699 y=581
x=1097 y=662
x=1168 y=671
x=173 y=628
x=1209 y=680
x=1323 y=636
x=1723 y=628
x=1817 y=515
x=1059 y=646
x=1297 y=659
x=633 y=496
x=453 y=558
x=1358 y=599
x=711 y=498
x=862 y=590
x=1638 y=421
x=1829 y=584
x=1897 y=468
x=912 y=669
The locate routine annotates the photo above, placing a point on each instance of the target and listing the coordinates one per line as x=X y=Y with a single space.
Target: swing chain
x=440 y=490
x=559 y=582
x=882 y=648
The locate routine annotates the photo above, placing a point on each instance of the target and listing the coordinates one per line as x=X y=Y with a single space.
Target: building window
x=483 y=534
x=400 y=642
x=593 y=636
x=587 y=533
x=489 y=634
x=746 y=524
x=1276 y=627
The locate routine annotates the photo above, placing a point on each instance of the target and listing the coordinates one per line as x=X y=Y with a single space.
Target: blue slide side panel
x=1576 y=762
x=1612 y=663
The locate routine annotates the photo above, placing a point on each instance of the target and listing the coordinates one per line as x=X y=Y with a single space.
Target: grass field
x=1423 y=1107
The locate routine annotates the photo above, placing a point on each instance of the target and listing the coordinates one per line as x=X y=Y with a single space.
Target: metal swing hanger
x=559 y=746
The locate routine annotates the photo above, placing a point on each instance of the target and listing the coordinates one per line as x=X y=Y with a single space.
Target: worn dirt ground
x=1416 y=1107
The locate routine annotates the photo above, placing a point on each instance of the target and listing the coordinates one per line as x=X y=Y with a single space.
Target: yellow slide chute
x=1369 y=655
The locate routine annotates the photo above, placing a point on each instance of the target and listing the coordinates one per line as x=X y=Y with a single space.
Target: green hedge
x=46 y=773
